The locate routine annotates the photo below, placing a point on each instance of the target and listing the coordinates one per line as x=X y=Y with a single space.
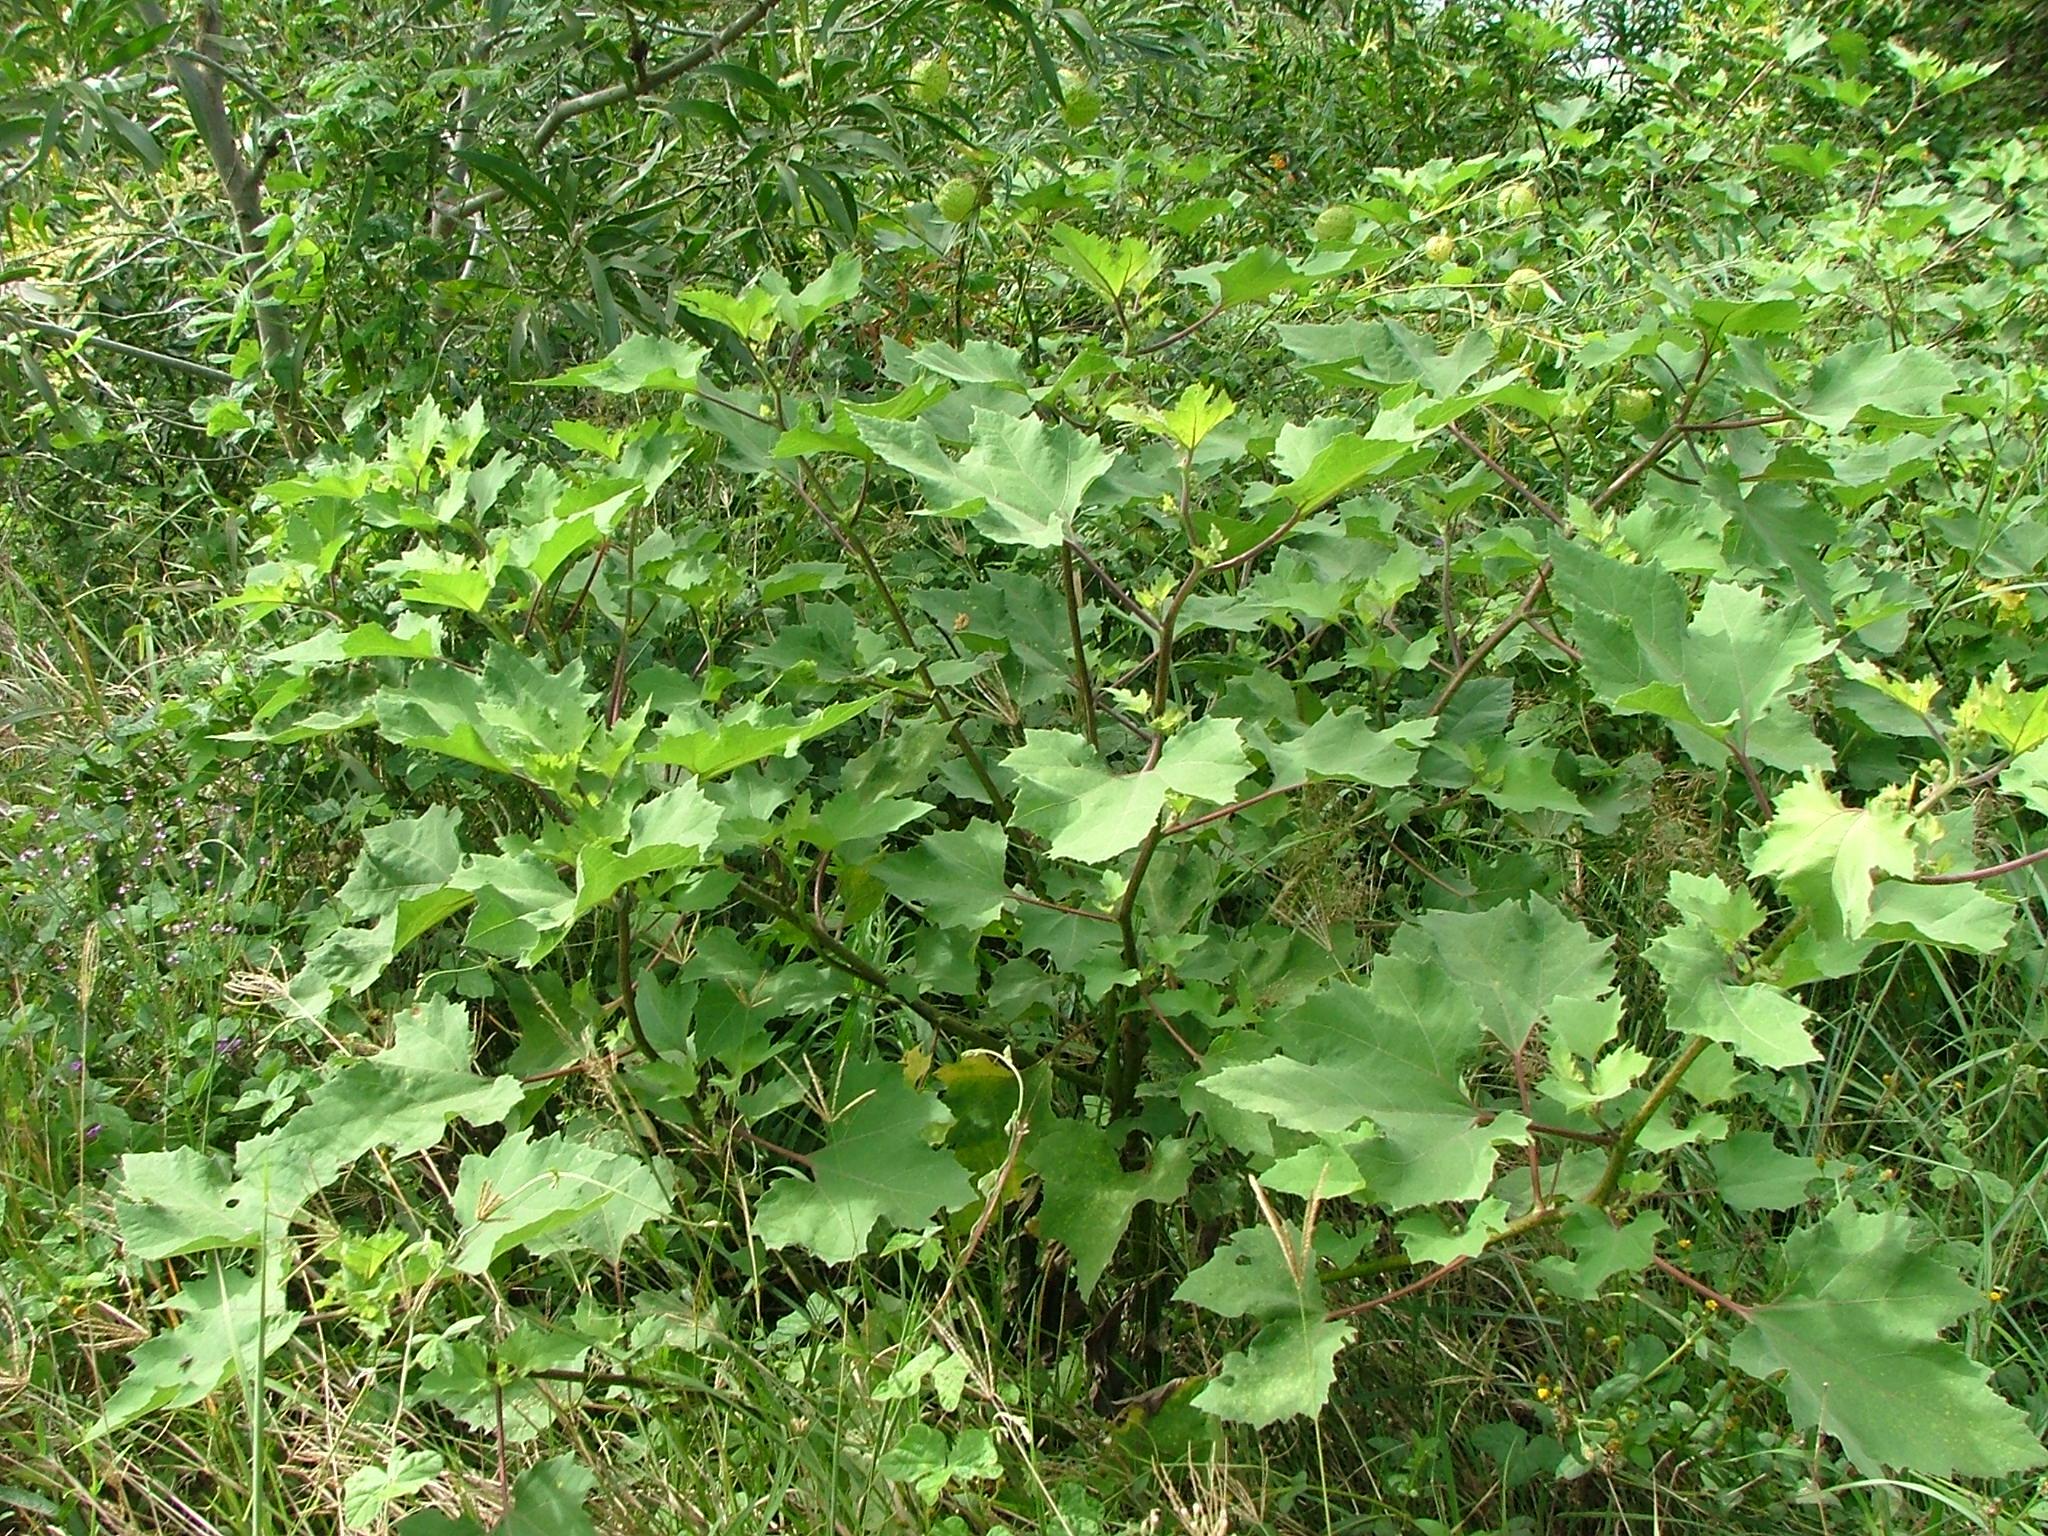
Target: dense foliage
x=952 y=768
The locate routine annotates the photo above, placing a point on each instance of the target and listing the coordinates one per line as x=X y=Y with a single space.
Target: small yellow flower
x=1277 y=160
x=2009 y=603
x=1994 y=1296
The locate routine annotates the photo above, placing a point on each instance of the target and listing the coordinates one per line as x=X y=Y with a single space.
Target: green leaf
x=954 y=878
x=548 y=1499
x=522 y=910
x=1695 y=960
x=233 y=1320
x=1067 y=796
x=926 y=1460
x=878 y=1164
x=1517 y=959
x=1629 y=621
x=1867 y=382
x=829 y=290
x=1344 y=745
x=1385 y=352
x=514 y=717
x=752 y=733
x=1089 y=1197
x=415 y=637
x=1600 y=1251
x=1389 y=1056
x=852 y=817
x=401 y=1100
x=1205 y=760
x=1752 y=1174
x=1245 y=278
x=402 y=860
x=637 y=363
x=1199 y=411
x=1020 y=482
x=752 y=312
x=1758 y=1022
x=344 y=962
x=1290 y=1364
x=1286 y=1370
x=1427 y=1238
x=1953 y=916
x=1741 y=655
x=551 y=1195
x=1856 y=1333
x=1339 y=467
x=1113 y=271
x=674 y=828
x=372 y=1489
x=1823 y=854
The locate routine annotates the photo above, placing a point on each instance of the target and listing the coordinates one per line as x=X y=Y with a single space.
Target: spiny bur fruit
x=1441 y=248
x=1634 y=406
x=1336 y=224
x=931 y=80
x=958 y=199
x=1080 y=101
x=1518 y=200
x=1524 y=290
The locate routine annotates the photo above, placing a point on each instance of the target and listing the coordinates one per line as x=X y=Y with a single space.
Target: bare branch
x=199 y=74
x=70 y=337
x=569 y=108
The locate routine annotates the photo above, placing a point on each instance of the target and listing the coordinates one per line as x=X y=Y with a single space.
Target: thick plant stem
x=198 y=74
x=1084 y=685
x=851 y=963
x=627 y=1002
x=1485 y=648
x=1625 y=1138
x=1127 y=1061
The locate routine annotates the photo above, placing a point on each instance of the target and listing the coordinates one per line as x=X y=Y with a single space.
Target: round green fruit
x=1518 y=200
x=1336 y=224
x=1635 y=406
x=1524 y=290
x=1440 y=248
x=931 y=80
x=1080 y=102
x=958 y=199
